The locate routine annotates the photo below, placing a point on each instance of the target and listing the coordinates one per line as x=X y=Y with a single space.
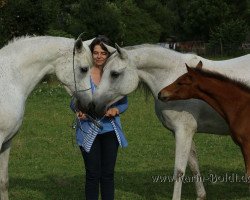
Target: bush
x=229 y=36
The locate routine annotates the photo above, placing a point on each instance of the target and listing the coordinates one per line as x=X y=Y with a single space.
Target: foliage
x=229 y=35
x=138 y=26
x=162 y=14
x=22 y=17
x=59 y=33
x=95 y=18
x=127 y=22
x=2 y=3
x=202 y=16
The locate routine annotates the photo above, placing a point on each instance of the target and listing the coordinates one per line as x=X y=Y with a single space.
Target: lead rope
x=76 y=90
x=77 y=121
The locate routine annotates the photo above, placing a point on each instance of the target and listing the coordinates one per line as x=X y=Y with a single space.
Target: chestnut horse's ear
x=199 y=65
x=189 y=69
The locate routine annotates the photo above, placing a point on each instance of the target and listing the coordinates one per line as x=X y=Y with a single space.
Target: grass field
x=46 y=164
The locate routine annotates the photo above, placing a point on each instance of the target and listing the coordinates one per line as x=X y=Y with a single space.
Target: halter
x=94 y=121
x=76 y=91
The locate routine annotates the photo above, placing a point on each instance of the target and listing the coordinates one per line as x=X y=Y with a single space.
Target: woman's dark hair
x=99 y=40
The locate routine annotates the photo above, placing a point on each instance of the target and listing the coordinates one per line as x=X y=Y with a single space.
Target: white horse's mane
x=147 y=45
x=21 y=39
x=29 y=37
x=18 y=43
x=16 y=39
x=142 y=46
x=159 y=47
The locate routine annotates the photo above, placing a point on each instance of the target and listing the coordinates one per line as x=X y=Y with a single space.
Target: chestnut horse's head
x=182 y=88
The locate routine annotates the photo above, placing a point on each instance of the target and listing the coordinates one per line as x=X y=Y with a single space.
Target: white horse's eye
x=114 y=74
x=84 y=69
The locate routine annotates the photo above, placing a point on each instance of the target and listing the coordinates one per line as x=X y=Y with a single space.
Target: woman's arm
x=117 y=108
x=74 y=107
x=121 y=105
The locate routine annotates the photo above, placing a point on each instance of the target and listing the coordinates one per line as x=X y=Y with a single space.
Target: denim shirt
x=86 y=130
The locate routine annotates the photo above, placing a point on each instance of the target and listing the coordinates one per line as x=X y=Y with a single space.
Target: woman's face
x=99 y=56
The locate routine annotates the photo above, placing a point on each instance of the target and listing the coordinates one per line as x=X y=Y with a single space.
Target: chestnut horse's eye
x=84 y=69
x=114 y=74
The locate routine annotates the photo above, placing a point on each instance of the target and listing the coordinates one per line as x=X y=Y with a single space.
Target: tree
x=2 y=3
x=94 y=18
x=137 y=25
x=202 y=16
x=22 y=17
x=229 y=36
x=62 y=18
x=162 y=15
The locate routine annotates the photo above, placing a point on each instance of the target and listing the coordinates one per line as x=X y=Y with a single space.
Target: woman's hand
x=81 y=115
x=112 y=112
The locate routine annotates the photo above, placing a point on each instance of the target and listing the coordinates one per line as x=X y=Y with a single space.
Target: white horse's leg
x=4 y=178
x=193 y=164
x=183 y=140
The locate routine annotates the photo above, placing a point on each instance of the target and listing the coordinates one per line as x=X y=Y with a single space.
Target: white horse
x=23 y=63
x=158 y=67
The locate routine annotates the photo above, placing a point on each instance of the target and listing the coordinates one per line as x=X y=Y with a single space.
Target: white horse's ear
x=88 y=42
x=86 y=45
x=122 y=52
x=87 y=51
x=78 y=43
x=111 y=50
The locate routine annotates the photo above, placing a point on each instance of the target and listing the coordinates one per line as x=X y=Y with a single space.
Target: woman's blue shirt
x=86 y=130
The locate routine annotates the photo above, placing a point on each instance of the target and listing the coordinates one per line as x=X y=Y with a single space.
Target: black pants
x=99 y=166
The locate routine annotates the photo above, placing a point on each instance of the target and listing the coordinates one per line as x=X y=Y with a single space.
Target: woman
x=99 y=139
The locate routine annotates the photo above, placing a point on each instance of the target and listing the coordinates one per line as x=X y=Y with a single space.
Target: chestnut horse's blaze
x=228 y=97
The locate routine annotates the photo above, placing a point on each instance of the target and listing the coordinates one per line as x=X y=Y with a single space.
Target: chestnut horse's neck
x=231 y=99
x=226 y=96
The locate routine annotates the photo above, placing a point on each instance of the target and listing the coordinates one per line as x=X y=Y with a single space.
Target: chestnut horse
x=230 y=98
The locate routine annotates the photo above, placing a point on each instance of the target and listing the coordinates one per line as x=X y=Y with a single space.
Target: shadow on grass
x=145 y=185
x=139 y=183
x=50 y=187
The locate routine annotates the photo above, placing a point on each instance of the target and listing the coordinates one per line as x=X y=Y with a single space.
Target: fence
x=205 y=49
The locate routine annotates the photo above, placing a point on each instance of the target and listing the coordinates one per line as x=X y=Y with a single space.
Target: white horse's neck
x=158 y=66
x=32 y=58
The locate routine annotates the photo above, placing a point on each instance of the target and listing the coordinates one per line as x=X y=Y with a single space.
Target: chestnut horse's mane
x=212 y=74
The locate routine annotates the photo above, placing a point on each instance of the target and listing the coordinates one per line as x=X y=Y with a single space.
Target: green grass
x=46 y=164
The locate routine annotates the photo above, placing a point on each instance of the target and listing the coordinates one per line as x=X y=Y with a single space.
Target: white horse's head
x=73 y=70
x=119 y=79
